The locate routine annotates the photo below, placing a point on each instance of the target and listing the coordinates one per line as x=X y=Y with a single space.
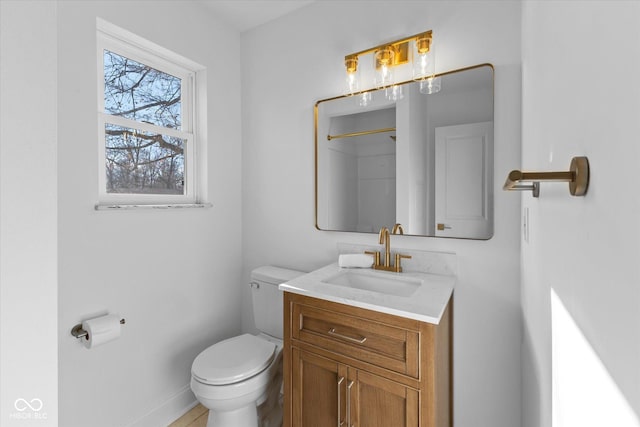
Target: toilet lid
x=233 y=360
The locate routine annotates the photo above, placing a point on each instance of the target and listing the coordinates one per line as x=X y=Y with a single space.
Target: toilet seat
x=233 y=360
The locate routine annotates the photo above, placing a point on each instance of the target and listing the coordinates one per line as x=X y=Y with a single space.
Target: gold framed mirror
x=398 y=155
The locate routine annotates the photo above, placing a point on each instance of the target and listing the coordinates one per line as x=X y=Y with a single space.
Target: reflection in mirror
x=424 y=161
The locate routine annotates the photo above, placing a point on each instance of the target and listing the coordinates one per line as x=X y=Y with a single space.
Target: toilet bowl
x=236 y=377
x=240 y=379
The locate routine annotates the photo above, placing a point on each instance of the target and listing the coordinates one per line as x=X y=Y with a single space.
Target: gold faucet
x=384 y=238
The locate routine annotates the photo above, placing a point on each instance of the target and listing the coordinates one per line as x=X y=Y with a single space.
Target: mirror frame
x=491 y=197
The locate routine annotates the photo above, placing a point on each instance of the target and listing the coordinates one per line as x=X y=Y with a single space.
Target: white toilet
x=240 y=379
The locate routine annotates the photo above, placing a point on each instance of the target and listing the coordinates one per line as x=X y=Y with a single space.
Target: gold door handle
x=333 y=332
x=349 y=404
x=340 y=422
x=442 y=227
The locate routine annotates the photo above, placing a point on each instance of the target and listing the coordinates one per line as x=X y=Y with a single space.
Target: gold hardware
x=397 y=229
x=376 y=255
x=351 y=62
x=364 y=132
x=577 y=177
x=398 y=267
x=442 y=227
x=390 y=54
x=340 y=422
x=349 y=386
x=384 y=238
x=359 y=340
x=384 y=56
x=401 y=46
x=423 y=42
x=580 y=168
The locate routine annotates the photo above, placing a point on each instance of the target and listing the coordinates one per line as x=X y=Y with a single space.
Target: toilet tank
x=267 y=298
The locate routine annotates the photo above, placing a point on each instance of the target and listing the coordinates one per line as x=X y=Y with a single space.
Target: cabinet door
x=318 y=391
x=379 y=402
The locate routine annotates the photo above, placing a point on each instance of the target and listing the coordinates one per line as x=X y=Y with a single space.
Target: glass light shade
x=352 y=80
x=352 y=83
x=364 y=99
x=424 y=62
x=394 y=93
x=430 y=85
x=382 y=62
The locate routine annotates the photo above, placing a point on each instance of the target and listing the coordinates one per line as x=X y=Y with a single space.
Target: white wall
x=291 y=63
x=581 y=96
x=28 y=214
x=173 y=274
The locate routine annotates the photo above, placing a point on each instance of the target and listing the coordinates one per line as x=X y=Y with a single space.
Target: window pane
x=139 y=162
x=139 y=92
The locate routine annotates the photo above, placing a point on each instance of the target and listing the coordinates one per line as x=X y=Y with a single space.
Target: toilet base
x=254 y=402
x=243 y=417
x=268 y=413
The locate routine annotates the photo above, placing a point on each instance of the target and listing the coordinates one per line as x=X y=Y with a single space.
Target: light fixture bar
x=416 y=49
x=393 y=43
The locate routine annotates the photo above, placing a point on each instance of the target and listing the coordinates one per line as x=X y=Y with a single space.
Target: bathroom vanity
x=359 y=358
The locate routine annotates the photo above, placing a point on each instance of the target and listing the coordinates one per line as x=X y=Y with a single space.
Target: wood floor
x=197 y=417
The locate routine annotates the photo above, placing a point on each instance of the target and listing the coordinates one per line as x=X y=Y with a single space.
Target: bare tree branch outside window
x=137 y=161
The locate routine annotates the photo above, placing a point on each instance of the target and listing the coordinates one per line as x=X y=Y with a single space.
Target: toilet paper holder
x=78 y=332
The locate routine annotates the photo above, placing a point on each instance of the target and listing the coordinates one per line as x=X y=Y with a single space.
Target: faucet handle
x=397 y=229
x=398 y=267
x=376 y=256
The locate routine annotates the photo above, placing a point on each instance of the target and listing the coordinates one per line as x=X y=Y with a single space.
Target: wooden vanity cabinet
x=352 y=367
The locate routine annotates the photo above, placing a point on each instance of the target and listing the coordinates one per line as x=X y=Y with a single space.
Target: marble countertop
x=426 y=304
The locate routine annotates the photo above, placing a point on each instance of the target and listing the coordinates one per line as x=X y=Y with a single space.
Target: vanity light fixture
x=416 y=50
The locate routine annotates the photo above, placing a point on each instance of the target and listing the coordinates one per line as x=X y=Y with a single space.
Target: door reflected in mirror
x=422 y=160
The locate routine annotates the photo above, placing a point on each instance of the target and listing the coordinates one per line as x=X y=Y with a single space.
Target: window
x=146 y=122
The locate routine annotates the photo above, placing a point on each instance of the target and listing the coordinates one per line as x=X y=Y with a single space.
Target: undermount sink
x=412 y=294
x=383 y=283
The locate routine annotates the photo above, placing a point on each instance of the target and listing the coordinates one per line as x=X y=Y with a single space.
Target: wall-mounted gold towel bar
x=577 y=176
x=365 y=132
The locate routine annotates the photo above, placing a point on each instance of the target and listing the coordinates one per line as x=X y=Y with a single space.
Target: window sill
x=124 y=207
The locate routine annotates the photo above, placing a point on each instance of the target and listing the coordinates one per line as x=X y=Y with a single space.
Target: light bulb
x=383 y=60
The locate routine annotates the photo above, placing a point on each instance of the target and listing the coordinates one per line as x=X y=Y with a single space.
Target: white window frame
x=129 y=45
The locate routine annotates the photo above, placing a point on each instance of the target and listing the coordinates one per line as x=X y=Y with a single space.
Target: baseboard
x=169 y=411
